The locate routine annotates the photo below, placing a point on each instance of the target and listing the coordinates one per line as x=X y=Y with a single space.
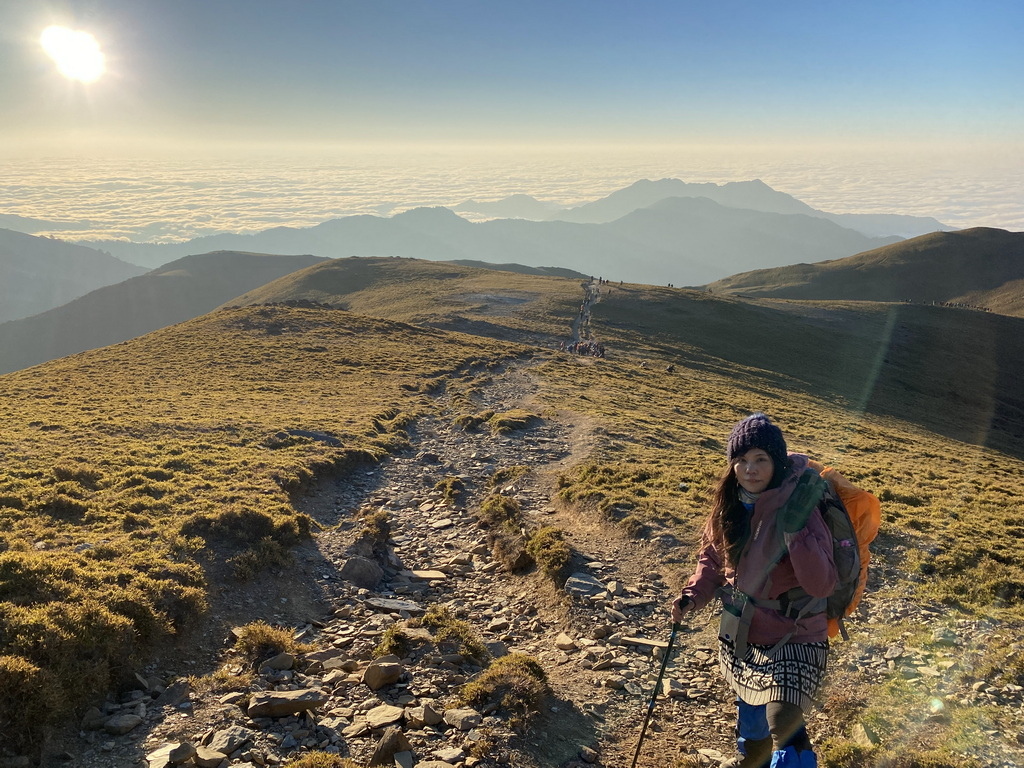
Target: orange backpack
x=857 y=517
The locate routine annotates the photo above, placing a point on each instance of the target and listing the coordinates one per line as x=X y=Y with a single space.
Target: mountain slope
x=753 y=195
x=657 y=252
x=981 y=267
x=178 y=291
x=536 y=309
x=37 y=273
x=708 y=235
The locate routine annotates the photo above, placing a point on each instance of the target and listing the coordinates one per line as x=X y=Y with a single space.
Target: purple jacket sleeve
x=708 y=576
x=810 y=554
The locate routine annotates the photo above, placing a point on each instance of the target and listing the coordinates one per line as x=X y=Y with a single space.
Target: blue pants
x=752 y=725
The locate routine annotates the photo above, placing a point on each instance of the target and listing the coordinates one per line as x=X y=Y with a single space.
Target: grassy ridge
x=951 y=371
x=980 y=266
x=128 y=470
x=530 y=308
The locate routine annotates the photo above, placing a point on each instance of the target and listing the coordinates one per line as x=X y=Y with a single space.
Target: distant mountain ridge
x=689 y=241
x=982 y=267
x=754 y=195
x=178 y=291
x=38 y=273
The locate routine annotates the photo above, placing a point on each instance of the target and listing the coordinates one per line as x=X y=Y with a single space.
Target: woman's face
x=754 y=470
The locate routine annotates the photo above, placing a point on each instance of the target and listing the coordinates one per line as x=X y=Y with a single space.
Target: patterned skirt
x=794 y=674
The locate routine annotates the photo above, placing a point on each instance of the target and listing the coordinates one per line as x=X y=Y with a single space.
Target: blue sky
x=553 y=72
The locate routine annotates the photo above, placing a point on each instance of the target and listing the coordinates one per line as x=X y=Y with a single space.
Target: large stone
x=230 y=739
x=864 y=736
x=181 y=753
x=392 y=742
x=119 y=725
x=426 y=575
x=280 y=662
x=362 y=572
x=390 y=605
x=673 y=688
x=160 y=758
x=584 y=585
x=378 y=674
x=450 y=754
x=358 y=728
x=385 y=714
x=208 y=758
x=425 y=714
x=643 y=642
x=496 y=648
x=176 y=693
x=463 y=719
x=284 y=703
x=565 y=643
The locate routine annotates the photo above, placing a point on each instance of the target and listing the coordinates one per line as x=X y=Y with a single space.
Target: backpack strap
x=793 y=604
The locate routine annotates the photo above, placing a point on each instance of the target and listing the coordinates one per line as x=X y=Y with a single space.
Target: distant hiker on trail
x=765 y=537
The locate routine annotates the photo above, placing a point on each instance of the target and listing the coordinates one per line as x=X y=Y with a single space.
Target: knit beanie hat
x=757 y=431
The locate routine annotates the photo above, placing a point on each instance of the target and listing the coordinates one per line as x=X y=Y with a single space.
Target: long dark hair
x=728 y=524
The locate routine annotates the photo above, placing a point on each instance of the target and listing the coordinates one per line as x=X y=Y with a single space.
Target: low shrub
x=511 y=553
x=451 y=488
x=87 y=477
x=393 y=641
x=471 y=421
x=222 y=680
x=266 y=553
x=377 y=528
x=241 y=525
x=510 y=421
x=30 y=699
x=507 y=475
x=515 y=683
x=447 y=628
x=549 y=549
x=259 y=641
x=845 y=754
x=321 y=760
x=500 y=511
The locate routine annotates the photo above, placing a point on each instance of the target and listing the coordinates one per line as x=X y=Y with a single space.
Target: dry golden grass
x=131 y=470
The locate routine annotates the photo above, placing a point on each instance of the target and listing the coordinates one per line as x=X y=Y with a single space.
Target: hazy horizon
x=169 y=200
x=191 y=117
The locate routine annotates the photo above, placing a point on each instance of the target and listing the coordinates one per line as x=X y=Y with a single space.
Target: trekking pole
x=654 y=694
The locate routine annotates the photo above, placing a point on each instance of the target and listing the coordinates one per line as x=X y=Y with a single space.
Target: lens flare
x=76 y=53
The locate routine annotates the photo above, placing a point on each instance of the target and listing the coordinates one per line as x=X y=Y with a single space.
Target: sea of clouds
x=167 y=200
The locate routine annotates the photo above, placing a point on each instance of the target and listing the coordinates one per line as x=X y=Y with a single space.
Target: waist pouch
x=738 y=610
x=734 y=626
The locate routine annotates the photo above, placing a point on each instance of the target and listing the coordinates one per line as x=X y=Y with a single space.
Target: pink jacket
x=807 y=563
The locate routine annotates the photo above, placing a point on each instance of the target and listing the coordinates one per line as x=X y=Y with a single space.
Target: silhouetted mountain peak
x=433 y=214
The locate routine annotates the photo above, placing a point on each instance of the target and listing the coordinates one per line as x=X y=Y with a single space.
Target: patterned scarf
x=747 y=498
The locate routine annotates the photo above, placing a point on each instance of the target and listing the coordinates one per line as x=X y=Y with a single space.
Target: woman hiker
x=767 y=552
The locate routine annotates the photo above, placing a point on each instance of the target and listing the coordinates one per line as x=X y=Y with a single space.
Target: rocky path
x=599 y=641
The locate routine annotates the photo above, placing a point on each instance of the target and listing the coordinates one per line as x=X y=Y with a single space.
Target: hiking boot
x=758 y=752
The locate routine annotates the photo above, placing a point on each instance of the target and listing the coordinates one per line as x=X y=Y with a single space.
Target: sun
x=76 y=53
